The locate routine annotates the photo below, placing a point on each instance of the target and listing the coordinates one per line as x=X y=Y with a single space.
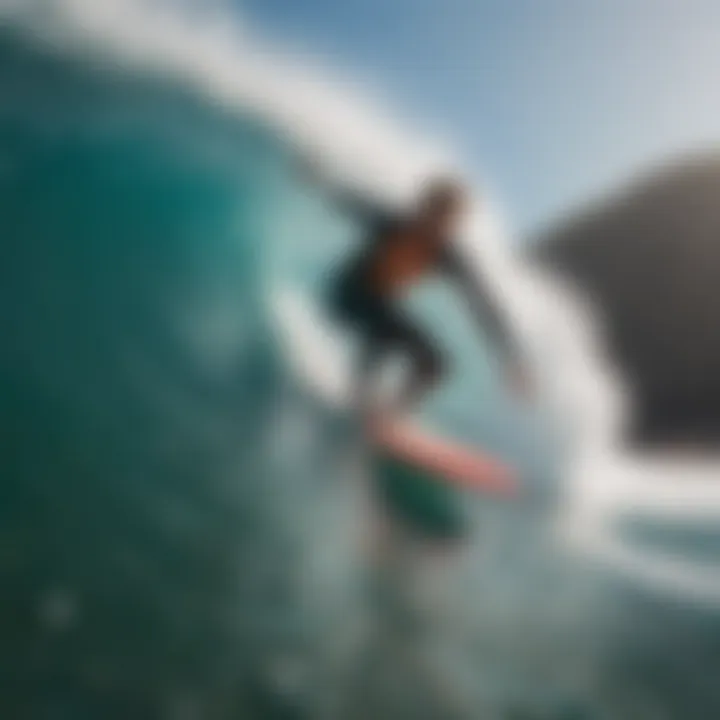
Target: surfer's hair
x=443 y=192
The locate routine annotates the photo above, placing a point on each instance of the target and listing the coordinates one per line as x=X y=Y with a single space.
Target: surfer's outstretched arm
x=486 y=311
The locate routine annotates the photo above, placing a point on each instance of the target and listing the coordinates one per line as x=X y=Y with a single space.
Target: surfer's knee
x=432 y=366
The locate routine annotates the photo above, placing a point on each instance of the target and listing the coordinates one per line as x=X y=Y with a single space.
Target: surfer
x=400 y=250
x=417 y=523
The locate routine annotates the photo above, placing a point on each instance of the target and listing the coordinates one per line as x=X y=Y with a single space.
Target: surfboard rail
x=447 y=460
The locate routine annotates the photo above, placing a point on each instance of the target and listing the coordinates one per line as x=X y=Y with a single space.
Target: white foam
x=214 y=52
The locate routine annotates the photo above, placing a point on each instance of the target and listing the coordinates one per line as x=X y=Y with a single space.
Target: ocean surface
x=176 y=538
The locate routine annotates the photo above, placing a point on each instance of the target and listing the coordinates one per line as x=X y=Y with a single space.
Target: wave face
x=171 y=543
x=174 y=544
x=136 y=372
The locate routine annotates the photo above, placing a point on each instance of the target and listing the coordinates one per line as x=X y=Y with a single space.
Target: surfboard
x=447 y=460
x=418 y=475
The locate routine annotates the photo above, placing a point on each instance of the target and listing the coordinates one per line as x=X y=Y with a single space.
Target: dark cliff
x=649 y=256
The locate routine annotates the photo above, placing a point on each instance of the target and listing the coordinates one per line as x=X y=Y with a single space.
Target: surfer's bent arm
x=485 y=310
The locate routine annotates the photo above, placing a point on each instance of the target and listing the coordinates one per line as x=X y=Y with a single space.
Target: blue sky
x=554 y=100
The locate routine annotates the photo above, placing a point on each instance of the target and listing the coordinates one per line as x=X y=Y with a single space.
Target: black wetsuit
x=379 y=318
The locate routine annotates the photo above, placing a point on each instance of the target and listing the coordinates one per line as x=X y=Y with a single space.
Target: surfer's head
x=441 y=203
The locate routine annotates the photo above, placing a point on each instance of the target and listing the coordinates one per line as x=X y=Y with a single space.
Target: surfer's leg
x=428 y=369
x=362 y=314
x=383 y=328
x=367 y=367
x=427 y=363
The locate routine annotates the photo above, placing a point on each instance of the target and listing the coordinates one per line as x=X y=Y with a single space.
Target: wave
x=164 y=485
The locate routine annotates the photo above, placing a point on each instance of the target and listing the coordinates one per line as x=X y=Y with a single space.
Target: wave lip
x=215 y=54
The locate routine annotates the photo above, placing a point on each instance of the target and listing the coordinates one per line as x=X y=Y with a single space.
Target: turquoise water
x=174 y=540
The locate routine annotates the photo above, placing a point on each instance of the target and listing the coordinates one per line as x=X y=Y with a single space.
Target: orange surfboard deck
x=449 y=461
